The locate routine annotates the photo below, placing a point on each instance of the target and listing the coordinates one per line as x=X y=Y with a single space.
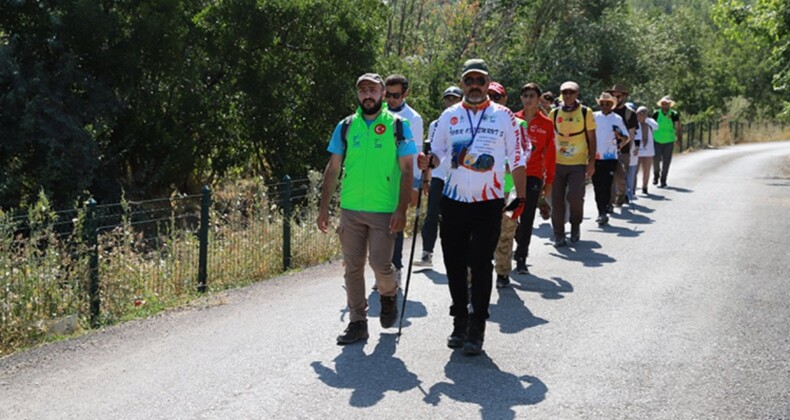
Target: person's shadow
x=583 y=252
x=625 y=232
x=548 y=289
x=434 y=276
x=478 y=380
x=368 y=376
x=678 y=189
x=630 y=214
x=512 y=314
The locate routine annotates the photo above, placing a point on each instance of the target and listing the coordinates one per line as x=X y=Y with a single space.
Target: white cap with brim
x=569 y=86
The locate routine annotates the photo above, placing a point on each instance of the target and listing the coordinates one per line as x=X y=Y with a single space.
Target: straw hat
x=666 y=99
x=606 y=97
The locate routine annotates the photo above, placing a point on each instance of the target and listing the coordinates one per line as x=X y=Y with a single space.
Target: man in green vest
x=373 y=149
x=664 y=138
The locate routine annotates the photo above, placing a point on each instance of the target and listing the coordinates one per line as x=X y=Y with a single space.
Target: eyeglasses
x=495 y=96
x=393 y=95
x=479 y=80
x=569 y=92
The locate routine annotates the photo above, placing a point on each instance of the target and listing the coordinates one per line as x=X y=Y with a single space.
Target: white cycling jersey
x=478 y=144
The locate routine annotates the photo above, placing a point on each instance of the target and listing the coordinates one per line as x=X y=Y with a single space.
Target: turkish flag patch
x=453 y=120
x=380 y=129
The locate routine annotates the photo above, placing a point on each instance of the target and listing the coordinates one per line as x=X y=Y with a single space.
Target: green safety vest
x=371 y=172
x=666 y=128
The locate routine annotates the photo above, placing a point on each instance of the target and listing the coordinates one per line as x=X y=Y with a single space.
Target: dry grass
x=44 y=275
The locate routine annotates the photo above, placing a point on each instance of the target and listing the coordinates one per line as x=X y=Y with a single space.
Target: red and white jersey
x=478 y=142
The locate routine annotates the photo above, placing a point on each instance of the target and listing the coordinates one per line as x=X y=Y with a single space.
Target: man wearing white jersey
x=478 y=137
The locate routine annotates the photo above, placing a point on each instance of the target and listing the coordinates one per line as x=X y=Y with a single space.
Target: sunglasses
x=495 y=96
x=393 y=95
x=569 y=92
x=479 y=80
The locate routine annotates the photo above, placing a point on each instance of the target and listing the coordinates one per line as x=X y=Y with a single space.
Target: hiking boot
x=502 y=281
x=357 y=330
x=456 y=339
x=602 y=220
x=475 y=337
x=426 y=260
x=521 y=266
x=575 y=233
x=560 y=241
x=389 y=311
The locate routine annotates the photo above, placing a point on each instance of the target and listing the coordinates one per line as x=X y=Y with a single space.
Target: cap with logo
x=474 y=65
x=371 y=77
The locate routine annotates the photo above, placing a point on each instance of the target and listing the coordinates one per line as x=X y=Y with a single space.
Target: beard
x=475 y=96
x=370 y=109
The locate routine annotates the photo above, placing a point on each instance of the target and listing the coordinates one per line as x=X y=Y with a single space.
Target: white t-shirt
x=415 y=122
x=606 y=142
x=646 y=148
x=477 y=145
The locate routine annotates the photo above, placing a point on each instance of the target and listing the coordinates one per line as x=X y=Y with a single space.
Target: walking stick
x=426 y=148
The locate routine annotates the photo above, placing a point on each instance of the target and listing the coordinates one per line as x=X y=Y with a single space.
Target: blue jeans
x=430 y=227
x=631 y=180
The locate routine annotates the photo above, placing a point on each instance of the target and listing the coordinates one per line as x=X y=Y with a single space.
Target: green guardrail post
x=205 y=204
x=287 y=222
x=91 y=235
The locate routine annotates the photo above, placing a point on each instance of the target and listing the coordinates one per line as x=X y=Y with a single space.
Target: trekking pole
x=426 y=148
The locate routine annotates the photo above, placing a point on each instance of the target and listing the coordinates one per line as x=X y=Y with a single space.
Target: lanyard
x=473 y=129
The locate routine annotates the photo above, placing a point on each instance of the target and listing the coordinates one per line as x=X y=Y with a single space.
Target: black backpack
x=584 y=121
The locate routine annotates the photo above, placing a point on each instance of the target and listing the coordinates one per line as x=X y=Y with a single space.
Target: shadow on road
x=434 y=276
x=583 y=252
x=548 y=289
x=512 y=314
x=678 y=189
x=478 y=380
x=543 y=230
x=369 y=376
x=631 y=215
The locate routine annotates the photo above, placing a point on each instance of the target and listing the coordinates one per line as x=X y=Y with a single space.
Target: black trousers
x=527 y=220
x=602 y=183
x=469 y=233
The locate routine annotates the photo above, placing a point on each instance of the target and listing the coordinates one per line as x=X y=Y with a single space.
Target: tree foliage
x=98 y=97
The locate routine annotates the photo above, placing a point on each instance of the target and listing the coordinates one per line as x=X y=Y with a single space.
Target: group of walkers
x=487 y=172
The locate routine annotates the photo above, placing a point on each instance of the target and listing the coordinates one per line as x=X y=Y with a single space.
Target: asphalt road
x=679 y=310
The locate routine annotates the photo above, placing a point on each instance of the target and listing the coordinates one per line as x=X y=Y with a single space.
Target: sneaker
x=644 y=190
x=389 y=311
x=521 y=266
x=457 y=337
x=475 y=337
x=426 y=260
x=560 y=241
x=602 y=220
x=655 y=181
x=610 y=209
x=663 y=185
x=357 y=330
x=502 y=281
x=575 y=233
